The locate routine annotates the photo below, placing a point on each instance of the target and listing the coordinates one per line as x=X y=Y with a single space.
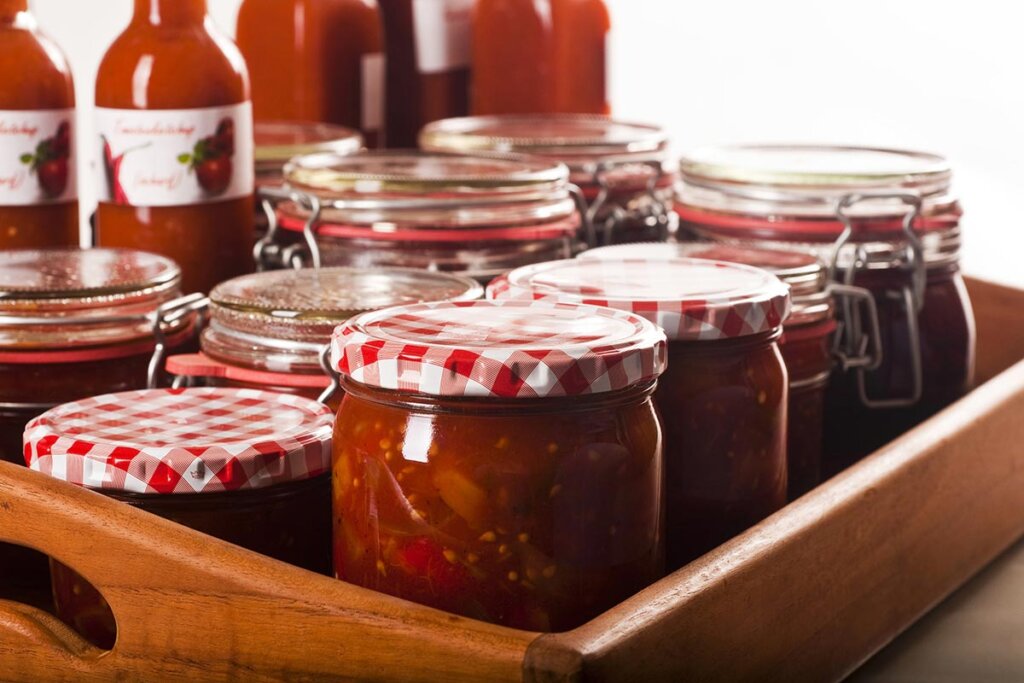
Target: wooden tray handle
x=189 y=606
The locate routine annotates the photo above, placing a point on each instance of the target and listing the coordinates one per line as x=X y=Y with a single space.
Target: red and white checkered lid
x=172 y=441
x=503 y=349
x=691 y=299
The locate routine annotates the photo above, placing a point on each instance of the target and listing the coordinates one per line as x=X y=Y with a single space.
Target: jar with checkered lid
x=723 y=398
x=500 y=460
x=269 y=330
x=246 y=466
x=806 y=343
x=886 y=220
x=622 y=168
x=475 y=216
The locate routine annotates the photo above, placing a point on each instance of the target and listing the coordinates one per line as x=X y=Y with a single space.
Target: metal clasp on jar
x=654 y=214
x=268 y=253
x=335 y=377
x=860 y=350
x=168 y=316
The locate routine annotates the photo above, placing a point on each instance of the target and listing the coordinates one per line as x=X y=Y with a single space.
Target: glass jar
x=477 y=216
x=278 y=142
x=75 y=323
x=427 y=64
x=269 y=330
x=501 y=461
x=884 y=220
x=548 y=56
x=622 y=168
x=806 y=343
x=723 y=397
x=251 y=468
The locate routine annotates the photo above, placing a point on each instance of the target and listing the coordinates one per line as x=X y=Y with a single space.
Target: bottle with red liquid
x=540 y=57
x=427 y=55
x=38 y=189
x=174 y=126
x=314 y=60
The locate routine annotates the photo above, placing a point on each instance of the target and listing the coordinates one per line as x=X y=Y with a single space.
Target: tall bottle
x=540 y=57
x=174 y=131
x=427 y=56
x=314 y=60
x=38 y=188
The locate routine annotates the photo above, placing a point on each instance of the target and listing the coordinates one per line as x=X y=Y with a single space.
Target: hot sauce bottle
x=38 y=189
x=427 y=55
x=314 y=60
x=540 y=57
x=175 y=138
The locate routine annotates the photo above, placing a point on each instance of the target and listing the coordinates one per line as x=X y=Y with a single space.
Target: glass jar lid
x=774 y=182
x=280 y=320
x=81 y=297
x=585 y=143
x=277 y=142
x=414 y=195
x=182 y=441
x=506 y=349
x=804 y=273
x=691 y=299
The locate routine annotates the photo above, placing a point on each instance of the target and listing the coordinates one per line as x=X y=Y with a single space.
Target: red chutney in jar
x=806 y=344
x=620 y=167
x=723 y=398
x=476 y=216
x=890 y=222
x=251 y=469
x=38 y=188
x=74 y=323
x=501 y=461
x=174 y=133
x=268 y=330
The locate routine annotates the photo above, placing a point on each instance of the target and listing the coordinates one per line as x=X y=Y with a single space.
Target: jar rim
x=277 y=142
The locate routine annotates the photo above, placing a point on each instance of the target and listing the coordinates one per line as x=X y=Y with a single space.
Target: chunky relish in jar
x=74 y=323
x=500 y=460
x=478 y=216
x=888 y=221
x=806 y=343
x=621 y=168
x=269 y=330
x=246 y=466
x=723 y=398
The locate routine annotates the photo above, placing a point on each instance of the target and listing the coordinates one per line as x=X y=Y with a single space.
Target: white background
x=935 y=75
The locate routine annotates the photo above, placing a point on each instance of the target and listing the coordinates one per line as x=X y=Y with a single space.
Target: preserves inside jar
x=451 y=213
x=621 y=167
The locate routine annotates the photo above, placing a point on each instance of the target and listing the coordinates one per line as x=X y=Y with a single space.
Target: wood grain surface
x=807 y=595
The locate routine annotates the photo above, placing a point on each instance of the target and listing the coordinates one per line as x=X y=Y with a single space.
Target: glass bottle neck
x=10 y=9
x=169 y=12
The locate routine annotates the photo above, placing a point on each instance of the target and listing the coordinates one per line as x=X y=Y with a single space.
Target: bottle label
x=373 y=91
x=37 y=157
x=175 y=157
x=442 y=29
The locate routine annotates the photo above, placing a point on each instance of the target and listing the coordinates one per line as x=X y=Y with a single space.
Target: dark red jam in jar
x=722 y=399
x=269 y=330
x=621 y=168
x=246 y=466
x=887 y=221
x=474 y=216
x=278 y=142
x=501 y=461
x=806 y=343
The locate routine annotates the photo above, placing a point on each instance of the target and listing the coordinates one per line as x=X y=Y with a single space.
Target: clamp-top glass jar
x=806 y=343
x=622 y=168
x=270 y=330
x=722 y=399
x=500 y=460
x=477 y=216
x=887 y=221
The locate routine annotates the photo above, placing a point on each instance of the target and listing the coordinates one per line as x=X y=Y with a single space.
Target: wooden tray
x=808 y=594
